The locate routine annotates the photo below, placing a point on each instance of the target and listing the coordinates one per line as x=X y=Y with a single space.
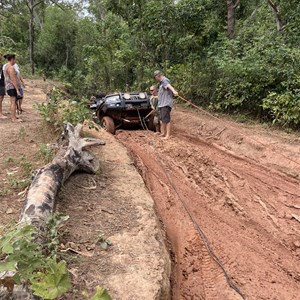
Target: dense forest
x=234 y=56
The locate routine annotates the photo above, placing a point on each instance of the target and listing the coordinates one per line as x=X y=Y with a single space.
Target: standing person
x=155 y=108
x=165 y=102
x=21 y=88
x=2 y=88
x=12 y=83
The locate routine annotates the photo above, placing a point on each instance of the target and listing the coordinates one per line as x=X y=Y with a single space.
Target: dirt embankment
x=113 y=204
x=245 y=197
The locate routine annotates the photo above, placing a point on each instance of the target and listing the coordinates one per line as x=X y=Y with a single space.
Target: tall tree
x=16 y=7
x=276 y=10
x=231 y=7
x=32 y=5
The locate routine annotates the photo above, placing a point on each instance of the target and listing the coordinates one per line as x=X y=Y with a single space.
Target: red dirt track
x=245 y=197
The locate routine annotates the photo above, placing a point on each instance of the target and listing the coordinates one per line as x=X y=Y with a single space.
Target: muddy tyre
x=150 y=124
x=108 y=124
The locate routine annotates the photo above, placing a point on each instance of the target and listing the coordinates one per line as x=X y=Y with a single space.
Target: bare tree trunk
x=231 y=6
x=40 y=199
x=276 y=11
x=102 y=16
x=31 y=35
x=31 y=5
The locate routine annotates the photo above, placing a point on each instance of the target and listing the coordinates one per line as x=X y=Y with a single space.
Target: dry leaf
x=83 y=253
x=8 y=283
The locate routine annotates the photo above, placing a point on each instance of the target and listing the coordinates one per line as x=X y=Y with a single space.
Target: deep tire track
x=242 y=206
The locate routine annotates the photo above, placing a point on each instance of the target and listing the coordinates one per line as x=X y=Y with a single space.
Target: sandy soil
x=244 y=196
x=119 y=208
x=19 y=140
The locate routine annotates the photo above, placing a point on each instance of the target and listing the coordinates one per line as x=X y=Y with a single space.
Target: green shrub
x=61 y=109
x=284 y=108
x=20 y=253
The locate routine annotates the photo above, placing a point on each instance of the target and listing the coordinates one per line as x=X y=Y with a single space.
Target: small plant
x=18 y=184
x=25 y=165
x=47 y=276
x=103 y=242
x=22 y=162
x=9 y=159
x=52 y=235
x=48 y=109
x=53 y=281
x=23 y=180
x=46 y=153
x=38 y=264
x=4 y=191
x=101 y=294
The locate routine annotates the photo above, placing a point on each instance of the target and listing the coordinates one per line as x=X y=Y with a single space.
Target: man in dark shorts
x=12 y=84
x=165 y=102
x=2 y=88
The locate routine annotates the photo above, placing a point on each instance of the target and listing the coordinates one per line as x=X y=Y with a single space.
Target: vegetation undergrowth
x=60 y=109
x=18 y=175
x=33 y=258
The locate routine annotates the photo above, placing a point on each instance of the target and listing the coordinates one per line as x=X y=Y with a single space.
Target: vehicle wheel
x=108 y=124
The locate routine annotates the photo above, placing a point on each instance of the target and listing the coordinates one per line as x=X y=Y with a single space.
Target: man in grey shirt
x=165 y=102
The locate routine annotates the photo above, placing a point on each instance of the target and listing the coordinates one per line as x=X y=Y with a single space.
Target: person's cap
x=157 y=73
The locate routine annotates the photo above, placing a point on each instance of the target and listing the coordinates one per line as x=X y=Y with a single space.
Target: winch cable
x=144 y=126
x=237 y=130
x=198 y=228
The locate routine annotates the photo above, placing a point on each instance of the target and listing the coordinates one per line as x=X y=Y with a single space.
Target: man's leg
x=168 y=130
x=156 y=124
x=167 y=120
x=1 y=111
x=163 y=129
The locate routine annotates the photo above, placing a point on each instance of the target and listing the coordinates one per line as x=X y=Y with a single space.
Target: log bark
x=46 y=182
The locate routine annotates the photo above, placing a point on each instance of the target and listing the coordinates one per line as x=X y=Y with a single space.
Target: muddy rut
x=244 y=197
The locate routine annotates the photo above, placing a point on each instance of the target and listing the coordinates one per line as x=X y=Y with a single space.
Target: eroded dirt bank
x=113 y=204
x=245 y=197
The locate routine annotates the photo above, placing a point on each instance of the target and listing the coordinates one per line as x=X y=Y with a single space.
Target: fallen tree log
x=46 y=182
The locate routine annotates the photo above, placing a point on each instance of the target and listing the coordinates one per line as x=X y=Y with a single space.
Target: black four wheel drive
x=123 y=109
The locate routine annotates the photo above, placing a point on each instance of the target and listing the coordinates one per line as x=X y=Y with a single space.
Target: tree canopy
x=235 y=56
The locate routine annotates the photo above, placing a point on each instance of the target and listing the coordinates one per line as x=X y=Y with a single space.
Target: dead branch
x=46 y=182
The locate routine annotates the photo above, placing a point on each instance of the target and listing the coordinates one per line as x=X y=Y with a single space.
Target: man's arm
x=12 y=74
x=175 y=93
x=151 y=102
